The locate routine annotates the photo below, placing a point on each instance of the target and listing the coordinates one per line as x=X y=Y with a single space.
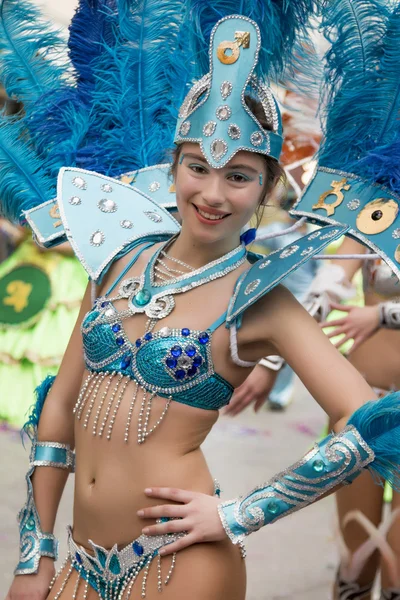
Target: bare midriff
x=112 y=474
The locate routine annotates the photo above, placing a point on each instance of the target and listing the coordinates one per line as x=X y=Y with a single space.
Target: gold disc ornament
x=377 y=216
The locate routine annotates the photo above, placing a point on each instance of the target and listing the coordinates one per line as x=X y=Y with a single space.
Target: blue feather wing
x=140 y=83
x=22 y=181
x=31 y=53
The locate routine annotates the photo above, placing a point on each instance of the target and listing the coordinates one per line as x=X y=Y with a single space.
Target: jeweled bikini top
x=172 y=363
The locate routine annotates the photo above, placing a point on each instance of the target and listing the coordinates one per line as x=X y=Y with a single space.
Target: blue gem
x=143 y=297
x=197 y=361
x=148 y=336
x=120 y=341
x=190 y=350
x=185 y=331
x=138 y=548
x=164 y=519
x=180 y=374
x=192 y=371
x=78 y=558
x=116 y=328
x=204 y=337
x=176 y=351
x=125 y=362
x=103 y=304
x=171 y=362
x=138 y=343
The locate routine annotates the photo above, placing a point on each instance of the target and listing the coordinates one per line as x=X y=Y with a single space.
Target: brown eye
x=377 y=216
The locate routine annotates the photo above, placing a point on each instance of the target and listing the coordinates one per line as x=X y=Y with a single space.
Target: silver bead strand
x=64 y=583
x=58 y=572
x=130 y=581
x=86 y=591
x=140 y=417
x=131 y=407
x=75 y=594
x=101 y=403
x=146 y=432
x=87 y=395
x=100 y=379
x=159 y=574
x=172 y=567
x=110 y=403
x=117 y=405
x=145 y=576
x=83 y=391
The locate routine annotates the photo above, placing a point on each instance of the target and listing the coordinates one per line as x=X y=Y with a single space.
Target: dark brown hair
x=274 y=171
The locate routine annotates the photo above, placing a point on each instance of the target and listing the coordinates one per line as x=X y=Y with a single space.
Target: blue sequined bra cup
x=173 y=363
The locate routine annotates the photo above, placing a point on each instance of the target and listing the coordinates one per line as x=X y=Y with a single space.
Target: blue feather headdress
x=357 y=180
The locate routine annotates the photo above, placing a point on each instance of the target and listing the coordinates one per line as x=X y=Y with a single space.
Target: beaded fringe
x=124 y=585
x=90 y=392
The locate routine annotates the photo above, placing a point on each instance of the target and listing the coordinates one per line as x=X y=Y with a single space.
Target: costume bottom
x=113 y=573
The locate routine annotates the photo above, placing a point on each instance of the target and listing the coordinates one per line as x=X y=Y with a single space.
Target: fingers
x=175 y=526
x=238 y=407
x=335 y=323
x=184 y=542
x=342 y=341
x=341 y=307
x=259 y=403
x=174 y=494
x=164 y=510
x=336 y=331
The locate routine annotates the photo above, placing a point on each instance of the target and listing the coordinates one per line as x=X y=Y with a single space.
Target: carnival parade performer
x=151 y=359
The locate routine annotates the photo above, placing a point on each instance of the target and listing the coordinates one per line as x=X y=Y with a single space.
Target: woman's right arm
x=56 y=425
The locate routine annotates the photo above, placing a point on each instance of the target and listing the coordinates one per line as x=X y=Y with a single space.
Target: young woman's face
x=216 y=203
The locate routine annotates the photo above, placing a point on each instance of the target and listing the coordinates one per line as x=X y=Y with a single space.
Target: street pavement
x=295 y=558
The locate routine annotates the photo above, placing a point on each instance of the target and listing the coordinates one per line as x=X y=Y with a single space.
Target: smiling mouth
x=210 y=216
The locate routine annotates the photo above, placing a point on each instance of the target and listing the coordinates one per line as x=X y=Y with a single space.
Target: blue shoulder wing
x=101 y=216
x=269 y=271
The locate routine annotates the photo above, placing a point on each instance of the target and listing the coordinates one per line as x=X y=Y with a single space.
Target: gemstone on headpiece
x=218 y=149
x=223 y=113
x=153 y=216
x=97 y=238
x=234 y=131
x=257 y=138
x=154 y=186
x=353 y=204
x=107 y=205
x=107 y=188
x=209 y=128
x=79 y=182
x=184 y=128
x=396 y=234
x=226 y=89
x=126 y=224
x=75 y=200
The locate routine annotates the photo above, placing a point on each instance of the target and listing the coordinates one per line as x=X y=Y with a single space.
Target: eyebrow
x=202 y=159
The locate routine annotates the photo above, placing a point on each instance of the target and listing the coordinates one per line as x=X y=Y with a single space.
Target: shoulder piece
x=371 y=211
x=101 y=216
x=266 y=273
x=153 y=182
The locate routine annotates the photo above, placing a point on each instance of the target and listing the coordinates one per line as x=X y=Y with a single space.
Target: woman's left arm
x=368 y=437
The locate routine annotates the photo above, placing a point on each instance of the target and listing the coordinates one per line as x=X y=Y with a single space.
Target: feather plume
x=41 y=392
x=140 y=83
x=31 y=53
x=363 y=115
x=22 y=181
x=378 y=422
x=94 y=25
x=279 y=20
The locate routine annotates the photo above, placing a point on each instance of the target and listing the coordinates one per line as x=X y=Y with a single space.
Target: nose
x=213 y=192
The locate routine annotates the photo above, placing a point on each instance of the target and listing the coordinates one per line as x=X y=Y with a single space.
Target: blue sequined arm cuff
x=337 y=459
x=33 y=542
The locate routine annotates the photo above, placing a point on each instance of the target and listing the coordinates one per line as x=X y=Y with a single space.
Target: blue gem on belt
x=138 y=548
x=143 y=297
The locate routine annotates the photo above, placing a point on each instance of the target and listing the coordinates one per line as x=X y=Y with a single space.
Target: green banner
x=24 y=292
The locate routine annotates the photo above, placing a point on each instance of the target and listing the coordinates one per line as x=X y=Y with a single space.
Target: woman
x=137 y=398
